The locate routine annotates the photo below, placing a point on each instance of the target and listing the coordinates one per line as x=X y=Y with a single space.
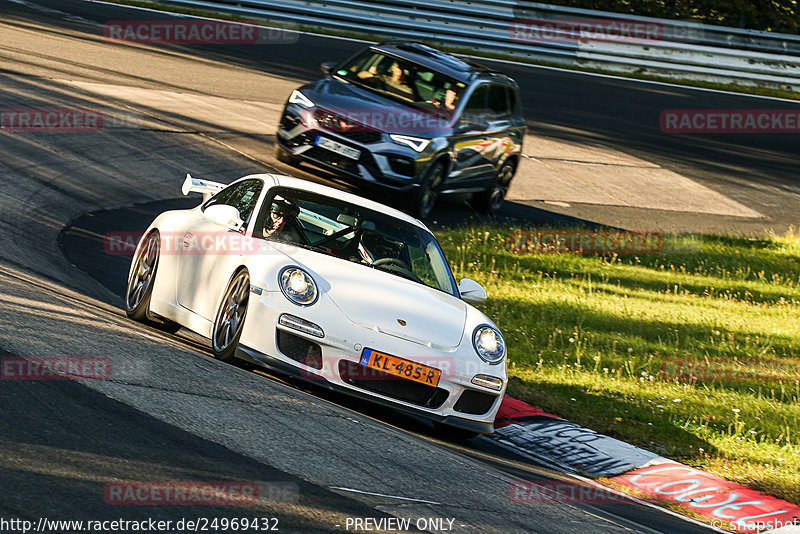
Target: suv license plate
x=339 y=148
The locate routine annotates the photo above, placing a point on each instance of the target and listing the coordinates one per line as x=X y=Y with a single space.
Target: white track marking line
x=383 y=495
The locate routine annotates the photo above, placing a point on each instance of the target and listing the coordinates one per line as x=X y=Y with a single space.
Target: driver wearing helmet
x=282 y=212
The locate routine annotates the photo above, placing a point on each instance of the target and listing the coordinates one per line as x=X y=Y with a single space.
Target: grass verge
x=692 y=352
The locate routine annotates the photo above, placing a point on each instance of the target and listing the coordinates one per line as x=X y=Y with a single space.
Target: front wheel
x=230 y=317
x=491 y=200
x=425 y=198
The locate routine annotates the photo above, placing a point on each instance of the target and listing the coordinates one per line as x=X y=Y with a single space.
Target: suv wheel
x=428 y=193
x=492 y=199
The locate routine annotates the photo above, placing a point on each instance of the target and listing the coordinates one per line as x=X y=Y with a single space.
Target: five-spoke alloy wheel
x=142 y=277
x=230 y=317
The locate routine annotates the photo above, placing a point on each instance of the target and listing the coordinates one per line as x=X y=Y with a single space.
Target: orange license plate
x=400 y=367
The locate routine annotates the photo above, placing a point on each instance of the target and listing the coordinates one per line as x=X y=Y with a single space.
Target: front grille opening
x=289 y=121
x=347 y=127
x=364 y=137
x=331 y=158
x=300 y=349
x=401 y=165
x=392 y=386
x=474 y=402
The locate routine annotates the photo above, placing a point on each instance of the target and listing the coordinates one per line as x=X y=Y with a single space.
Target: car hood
x=379 y=300
x=374 y=110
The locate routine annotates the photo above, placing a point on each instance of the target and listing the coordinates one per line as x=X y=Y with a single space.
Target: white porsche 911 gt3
x=327 y=286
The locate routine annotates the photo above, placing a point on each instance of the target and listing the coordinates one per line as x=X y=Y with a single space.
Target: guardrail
x=556 y=34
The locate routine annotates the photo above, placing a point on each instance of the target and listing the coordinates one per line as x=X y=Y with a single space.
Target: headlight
x=489 y=344
x=298 y=286
x=416 y=143
x=299 y=98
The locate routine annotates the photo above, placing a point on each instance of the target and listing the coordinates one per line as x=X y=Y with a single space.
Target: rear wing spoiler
x=196 y=185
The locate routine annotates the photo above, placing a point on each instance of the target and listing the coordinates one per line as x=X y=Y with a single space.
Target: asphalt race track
x=170 y=412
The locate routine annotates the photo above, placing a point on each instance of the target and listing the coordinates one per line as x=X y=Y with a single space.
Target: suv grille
x=346 y=127
x=333 y=159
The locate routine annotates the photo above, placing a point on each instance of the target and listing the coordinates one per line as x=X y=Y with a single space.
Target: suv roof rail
x=454 y=62
x=422 y=49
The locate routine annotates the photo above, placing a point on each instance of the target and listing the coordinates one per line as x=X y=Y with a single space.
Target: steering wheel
x=399 y=266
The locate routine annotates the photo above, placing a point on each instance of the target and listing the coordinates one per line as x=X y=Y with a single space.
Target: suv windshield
x=356 y=234
x=403 y=80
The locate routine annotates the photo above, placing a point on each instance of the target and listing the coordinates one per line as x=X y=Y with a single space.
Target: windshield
x=403 y=80
x=356 y=234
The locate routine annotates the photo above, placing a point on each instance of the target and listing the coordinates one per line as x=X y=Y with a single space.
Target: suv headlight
x=489 y=344
x=417 y=143
x=298 y=286
x=300 y=99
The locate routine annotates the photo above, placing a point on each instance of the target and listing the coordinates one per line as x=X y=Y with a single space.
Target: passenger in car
x=397 y=81
x=450 y=100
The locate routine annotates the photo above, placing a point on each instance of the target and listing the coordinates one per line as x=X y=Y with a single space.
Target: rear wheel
x=142 y=277
x=230 y=317
x=425 y=198
x=140 y=285
x=491 y=200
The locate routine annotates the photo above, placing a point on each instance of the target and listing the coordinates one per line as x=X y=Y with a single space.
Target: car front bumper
x=333 y=362
x=381 y=162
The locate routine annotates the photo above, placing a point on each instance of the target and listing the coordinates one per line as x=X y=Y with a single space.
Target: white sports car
x=327 y=286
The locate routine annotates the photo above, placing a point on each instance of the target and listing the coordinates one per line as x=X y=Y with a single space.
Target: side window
x=475 y=109
x=513 y=103
x=242 y=196
x=498 y=103
x=219 y=198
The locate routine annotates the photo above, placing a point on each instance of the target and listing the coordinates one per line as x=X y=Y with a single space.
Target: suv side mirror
x=328 y=67
x=224 y=215
x=474 y=125
x=471 y=291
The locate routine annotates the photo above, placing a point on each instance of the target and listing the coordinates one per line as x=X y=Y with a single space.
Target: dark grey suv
x=409 y=118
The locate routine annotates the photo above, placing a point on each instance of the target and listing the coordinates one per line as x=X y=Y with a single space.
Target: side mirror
x=224 y=215
x=328 y=67
x=466 y=125
x=471 y=291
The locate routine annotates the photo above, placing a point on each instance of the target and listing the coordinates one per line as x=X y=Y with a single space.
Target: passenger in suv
x=409 y=118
